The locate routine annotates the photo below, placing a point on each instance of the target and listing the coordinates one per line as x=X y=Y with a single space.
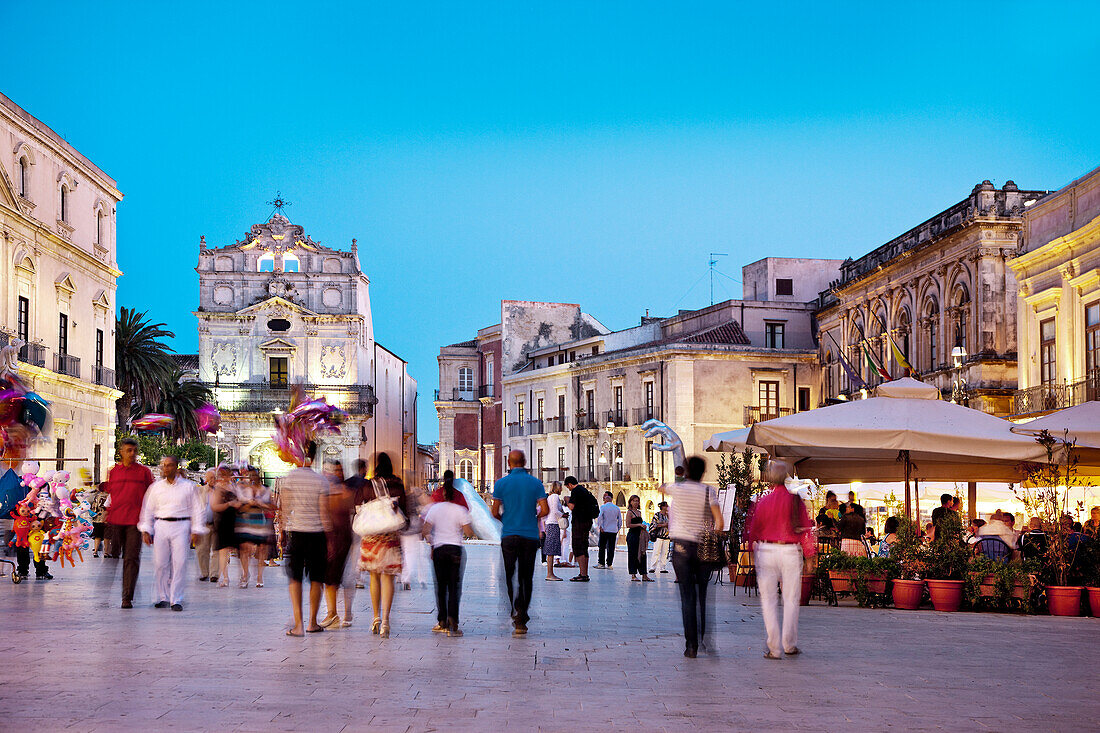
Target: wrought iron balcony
x=103 y=376
x=754 y=414
x=1047 y=397
x=641 y=414
x=559 y=424
x=66 y=364
x=536 y=427
x=617 y=418
x=455 y=395
x=488 y=391
x=355 y=399
x=33 y=354
x=589 y=422
x=515 y=430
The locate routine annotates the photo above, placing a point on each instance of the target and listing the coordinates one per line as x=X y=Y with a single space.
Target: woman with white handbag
x=380 y=520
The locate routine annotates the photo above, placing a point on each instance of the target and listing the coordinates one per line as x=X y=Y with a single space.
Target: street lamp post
x=959 y=393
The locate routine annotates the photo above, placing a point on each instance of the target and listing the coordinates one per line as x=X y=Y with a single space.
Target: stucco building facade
x=57 y=284
x=277 y=309
x=943 y=284
x=1058 y=271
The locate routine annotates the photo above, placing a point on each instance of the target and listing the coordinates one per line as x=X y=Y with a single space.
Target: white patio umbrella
x=906 y=431
x=1081 y=421
x=732 y=441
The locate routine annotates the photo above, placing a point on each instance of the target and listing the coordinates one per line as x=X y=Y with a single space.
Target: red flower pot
x=876 y=583
x=946 y=595
x=1064 y=600
x=842 y=580
x=908 y=594
x=807 y=589
x=1094 y=600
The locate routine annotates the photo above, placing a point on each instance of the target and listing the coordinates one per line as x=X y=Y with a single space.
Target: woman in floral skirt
x=380 y=555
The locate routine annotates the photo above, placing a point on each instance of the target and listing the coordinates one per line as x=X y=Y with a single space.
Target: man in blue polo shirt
x=519 y=499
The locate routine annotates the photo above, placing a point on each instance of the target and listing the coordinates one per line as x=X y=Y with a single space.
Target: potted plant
x=908 y=588
x=999 y=585
x=741 y=471
x=871 y=577
x=1090 y=562
x=1046 y=496
x=839 y=567
x=948 y=558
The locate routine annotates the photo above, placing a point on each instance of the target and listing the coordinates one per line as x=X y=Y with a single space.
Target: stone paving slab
x=602 y=655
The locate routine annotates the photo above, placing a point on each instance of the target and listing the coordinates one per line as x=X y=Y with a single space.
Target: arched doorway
x=265 y=457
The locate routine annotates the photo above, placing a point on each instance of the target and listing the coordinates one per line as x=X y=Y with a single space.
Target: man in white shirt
x=171 y=519
x=608 y=523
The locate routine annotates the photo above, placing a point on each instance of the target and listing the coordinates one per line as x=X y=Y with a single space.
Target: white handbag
x=380 y=515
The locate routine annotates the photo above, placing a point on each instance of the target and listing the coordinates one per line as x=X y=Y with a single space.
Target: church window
x=278 y=324
x=278 y=373
x=24 y=177
x=64 y=203
x=267 y=264
x=290 y=263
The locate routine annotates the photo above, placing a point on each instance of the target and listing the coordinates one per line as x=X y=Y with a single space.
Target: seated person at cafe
x=1092 y=526
x=999 y=526
x=852 y=501
x=1033 y=543
x=972 y=532
x=852 y=527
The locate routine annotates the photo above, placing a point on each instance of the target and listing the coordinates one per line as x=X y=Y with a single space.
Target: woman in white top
x=445 y=523
x=551 y=546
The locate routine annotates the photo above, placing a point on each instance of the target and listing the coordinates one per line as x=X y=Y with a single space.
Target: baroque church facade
x=277 y=309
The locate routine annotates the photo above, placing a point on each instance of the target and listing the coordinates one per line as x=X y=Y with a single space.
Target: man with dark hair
x=585 y=510
x=172 y=518
x=301 y=493
x=519 y=500
x=126 y=484
x=609 y=523
x=943 y=510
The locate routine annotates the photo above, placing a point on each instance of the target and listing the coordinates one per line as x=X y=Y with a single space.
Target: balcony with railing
x=103 y=376
x=33 y=354
x=618 y=418
x=515 y=430
x=536 y=427
x=1048 y=397
x=455 y=395
x=488 y=391
x=355 y=399
x=559 y=424
x=589 y=422
x=66 y=364
x=641 y=414
x=755 y=414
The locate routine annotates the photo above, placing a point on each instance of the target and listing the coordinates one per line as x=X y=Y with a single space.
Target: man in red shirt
x=775 y=532
x=126 y=484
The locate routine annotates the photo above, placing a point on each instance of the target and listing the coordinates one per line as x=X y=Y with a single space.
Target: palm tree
x=180 y=398
x=142 y=363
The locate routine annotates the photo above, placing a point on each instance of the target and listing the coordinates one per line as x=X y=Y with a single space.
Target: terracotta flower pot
x=842 y=580
x=1064 y=600
x=733 y=572
x=1094 y=600
x=807 y=589
x=876 y=583
x=946 y=594
x=908 y=594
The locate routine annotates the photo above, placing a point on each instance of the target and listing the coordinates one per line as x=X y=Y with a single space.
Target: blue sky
x=573 y=151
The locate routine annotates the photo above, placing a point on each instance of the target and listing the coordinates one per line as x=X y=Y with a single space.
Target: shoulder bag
x=713 y=545
x=380 y=515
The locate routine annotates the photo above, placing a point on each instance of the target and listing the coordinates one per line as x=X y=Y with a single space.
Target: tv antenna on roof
x=711 y=264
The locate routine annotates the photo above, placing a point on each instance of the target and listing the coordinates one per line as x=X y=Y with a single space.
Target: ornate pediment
x=65 y=284
x=278 y=346
x=276 y=306
x=100 y=301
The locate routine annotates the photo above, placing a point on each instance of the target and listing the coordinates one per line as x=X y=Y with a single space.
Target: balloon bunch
x=208 y=418
x=53 y=520
x=305 y=420
x=153 y=422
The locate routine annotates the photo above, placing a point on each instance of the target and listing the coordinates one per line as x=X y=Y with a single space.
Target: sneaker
x=519 y=630
x=439 y=629
x=161 y=604
x=204 y=578
x=454 y=632
x=177 y=606
x=127 y=604
x=601 y=567
x=44 y=576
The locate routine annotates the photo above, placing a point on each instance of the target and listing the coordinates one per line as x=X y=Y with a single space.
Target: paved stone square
x=605 y=655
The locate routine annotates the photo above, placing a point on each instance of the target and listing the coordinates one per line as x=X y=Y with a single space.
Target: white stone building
x=57 y=284
x=278 y=309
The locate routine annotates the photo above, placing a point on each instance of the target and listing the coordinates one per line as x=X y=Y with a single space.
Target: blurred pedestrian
x=608 y=523
x=171 y=520
x=224 y=503
x=445 y=523
x=660 y=542
x=413 y=554
x=551 y=544
x=205 y=555
x=637 y=540
x=356 y=482
x=99 y=519
x=775 y=532
x=339 y=508
x=692 y=501
x=300 y=497
x=519 y=499
x=127 y=482
x=254 y=532
x=380 y=555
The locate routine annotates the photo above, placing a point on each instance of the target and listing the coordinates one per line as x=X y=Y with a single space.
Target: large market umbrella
x=906 y=431
x=733 y=441
x=1081 y=421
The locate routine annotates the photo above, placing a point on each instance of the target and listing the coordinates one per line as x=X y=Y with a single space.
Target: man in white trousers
x=775 y=531
x=171 y=519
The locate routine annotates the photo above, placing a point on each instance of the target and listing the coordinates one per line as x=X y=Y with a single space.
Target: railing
x=588 y=422
x=755 y=414
x=535 y=427
x=559 y=424
x=455 y=395
x=641 y=472
x=487 y=391
x=641 y=414
x=1046 y=397
x=103 y=376
x=597 y=473
x=66 y=364
x=357 y=399
x=33 y=354
x=515 y=430
x=617 y=418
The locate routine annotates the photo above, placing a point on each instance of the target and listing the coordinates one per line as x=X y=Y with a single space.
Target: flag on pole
x=898 y=356
x=853 y=377
x=875 y=367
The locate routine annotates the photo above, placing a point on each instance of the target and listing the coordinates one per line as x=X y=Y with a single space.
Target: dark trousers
x=607 y=548
x=447 y=562
x=128 y=539
x=521 y=552
x=635 y=553
x=693 y=578
x=23 y=558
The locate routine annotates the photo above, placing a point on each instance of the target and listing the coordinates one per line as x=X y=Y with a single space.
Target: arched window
x=291 y=263
x=932 y=317
x=99 y=227
x=267 y=263
x=902 y=331
x=466 y=469
x=620 y=499
x=855 y=353
x=64 y=208
x=465 y=379
x=24 y=177
x=961 y=304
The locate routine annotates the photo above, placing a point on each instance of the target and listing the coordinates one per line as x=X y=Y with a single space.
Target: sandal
x=329 y=621
x=243 y=584
x=259 y=585
x=318 y=630
x=374 y=627
x=554 y=577
x=346 y=624
x=290 y=632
